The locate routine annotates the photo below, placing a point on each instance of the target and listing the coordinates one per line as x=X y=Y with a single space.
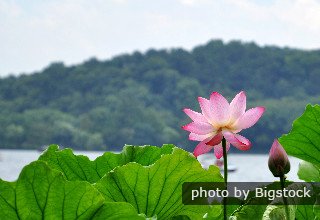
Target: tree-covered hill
x=138 y=98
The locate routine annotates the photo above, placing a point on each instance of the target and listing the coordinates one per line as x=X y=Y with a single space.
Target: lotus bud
x=278 y=162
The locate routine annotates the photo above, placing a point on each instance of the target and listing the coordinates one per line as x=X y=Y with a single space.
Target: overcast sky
x=36 y=33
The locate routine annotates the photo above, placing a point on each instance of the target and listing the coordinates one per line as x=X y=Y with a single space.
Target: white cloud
x=194 y=2
x=36 y=33
x=120 y=1
x=302 y=13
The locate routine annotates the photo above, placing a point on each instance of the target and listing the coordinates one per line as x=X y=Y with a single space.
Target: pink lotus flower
x=220 y=119
x=278 y=160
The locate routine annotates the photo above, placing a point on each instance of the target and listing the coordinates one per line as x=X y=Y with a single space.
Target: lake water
x=250 y=167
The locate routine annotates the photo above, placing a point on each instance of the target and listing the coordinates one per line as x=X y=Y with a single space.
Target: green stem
x=225 y=172
x=225 y=160
x=285 y=201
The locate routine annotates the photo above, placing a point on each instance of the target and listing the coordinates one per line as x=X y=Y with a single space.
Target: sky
x=35 y=33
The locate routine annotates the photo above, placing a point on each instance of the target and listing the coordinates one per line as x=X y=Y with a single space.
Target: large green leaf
x=156 y=190
x=308 y=172
x=316 y=209
x=43 y=193
x=7 y=201
x=79 y=167
x=117 y=211
x=251 y=210
x=274 y=212
x=258 y=208
x=254 y=207
x=215 y=212
x=303 y=141
x=304 y=212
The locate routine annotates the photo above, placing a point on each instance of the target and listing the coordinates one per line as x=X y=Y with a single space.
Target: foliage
x=304 y=138
x=308 y=172
x=141 y=182
x=138 y=183
x=303 y=142
x=274 y=212
x=138 y=98
x=252 y=209
x=79 y=167
x=156 y=190
x=43 y=193
x=144 y=182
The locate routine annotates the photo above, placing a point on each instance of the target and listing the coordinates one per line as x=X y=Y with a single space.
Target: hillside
x=138 y=98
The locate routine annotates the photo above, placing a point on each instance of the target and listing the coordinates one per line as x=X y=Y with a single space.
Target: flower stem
x=225 y=172
x=285 y=201
x=225 y=160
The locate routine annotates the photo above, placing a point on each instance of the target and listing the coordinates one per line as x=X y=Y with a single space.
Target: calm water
x=250 y=168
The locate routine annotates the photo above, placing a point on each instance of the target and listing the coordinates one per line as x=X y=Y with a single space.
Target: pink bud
x=278 y=160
